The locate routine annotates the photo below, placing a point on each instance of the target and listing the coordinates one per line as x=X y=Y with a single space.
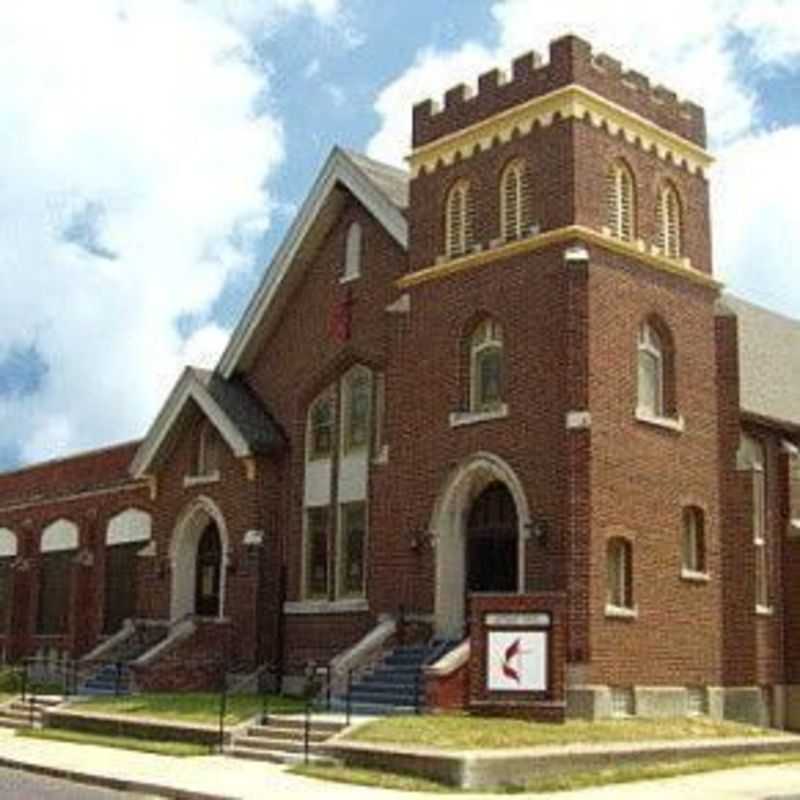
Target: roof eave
x=338 y=169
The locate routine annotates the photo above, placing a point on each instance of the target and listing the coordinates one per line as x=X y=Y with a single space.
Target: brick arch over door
x=183 y=551
x=462 y=487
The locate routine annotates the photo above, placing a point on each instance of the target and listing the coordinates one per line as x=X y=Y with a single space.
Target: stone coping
x=481 y=769
x=137 y=727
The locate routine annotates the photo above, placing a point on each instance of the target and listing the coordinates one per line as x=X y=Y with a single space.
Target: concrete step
x=361 y=709
x=279 y=756
x=287 y=734
x=386 y=684
x=295 y=723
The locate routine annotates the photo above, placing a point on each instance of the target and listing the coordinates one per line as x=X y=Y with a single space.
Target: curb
x=108 y=782
x=486 y=770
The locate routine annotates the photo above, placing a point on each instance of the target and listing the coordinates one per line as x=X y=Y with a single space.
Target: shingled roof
x=769 y=362
x=391 y=181
x=243 y=409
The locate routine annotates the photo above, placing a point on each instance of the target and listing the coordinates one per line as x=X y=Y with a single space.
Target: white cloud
x=132 y=167
x=700 y=57
x=755 y=220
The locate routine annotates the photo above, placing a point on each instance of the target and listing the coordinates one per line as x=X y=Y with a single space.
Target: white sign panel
x=517 y=661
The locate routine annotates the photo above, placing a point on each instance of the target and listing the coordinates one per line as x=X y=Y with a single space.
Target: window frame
x=650 y=345
x=669 y=221
x=752 y=457
x=486 y=338
x=342 y=549
x=308 y=532
x=458 y=219
x=353 y=253
x=514 y=228
x=621 y=201
x=313 y=453
x=365 y=377
x=619 y=577
x=208 y=453
x=693 y=543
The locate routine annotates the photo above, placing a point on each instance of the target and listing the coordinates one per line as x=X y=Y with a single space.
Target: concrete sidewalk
x=217 y=777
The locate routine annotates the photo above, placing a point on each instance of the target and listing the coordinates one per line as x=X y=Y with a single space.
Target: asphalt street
x=16 y=785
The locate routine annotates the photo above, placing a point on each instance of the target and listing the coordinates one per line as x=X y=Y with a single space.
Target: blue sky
x=152 y=156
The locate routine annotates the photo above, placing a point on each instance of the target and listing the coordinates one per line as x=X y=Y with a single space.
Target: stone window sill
x=200 y=480
x=460 y=418
x=355 y=605
x=765 y=611
x=675 y=424
x=620 y=612
x=382 y=456
x=694 y=577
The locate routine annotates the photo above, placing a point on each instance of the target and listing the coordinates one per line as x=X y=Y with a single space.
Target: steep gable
x=381 y=189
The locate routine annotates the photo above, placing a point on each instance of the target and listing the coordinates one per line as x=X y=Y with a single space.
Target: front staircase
x=282 y=740
x=27 y=713
x=396 y=685
x=111 y=675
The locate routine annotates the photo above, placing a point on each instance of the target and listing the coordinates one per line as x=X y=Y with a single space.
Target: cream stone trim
x=570 y=102
x=201 y=480
x=60 y=536
x=8 y=543
x=459 y=419
x=128 y=527
x=693 y=576
x=557 y=236
x=621 y=612
x=69 y=498
x=675 y=424
x=356 y=605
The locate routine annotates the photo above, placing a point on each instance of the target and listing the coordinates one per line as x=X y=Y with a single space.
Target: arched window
x=458 y=223
x=619 y=575
x=752 y=456
x=57 y=549
x=320 y=428
x=207 y=454
x=668 y=221
x=651 y=372
x=693 y=549
x=486 y=367
x=8 y=552
x=621 y=202
x=514 y=200
x=352 y=256
x=356 y=408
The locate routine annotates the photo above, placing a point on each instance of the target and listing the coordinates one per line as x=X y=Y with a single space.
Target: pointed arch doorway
x=198 y=556
x=208 y=574
x=480 y=525
x=492 y=563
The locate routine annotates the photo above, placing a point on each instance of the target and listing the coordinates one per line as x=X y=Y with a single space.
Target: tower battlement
x=572 y=60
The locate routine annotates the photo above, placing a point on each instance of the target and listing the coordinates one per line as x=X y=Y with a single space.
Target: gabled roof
x=232 y=408
x=769 y=362
x=381 y=189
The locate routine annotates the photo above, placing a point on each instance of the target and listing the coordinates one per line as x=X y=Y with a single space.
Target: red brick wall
x=549 y=153
x=643 y=476
x=528 y=296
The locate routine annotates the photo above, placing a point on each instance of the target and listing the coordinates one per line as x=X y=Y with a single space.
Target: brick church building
x=509 y=369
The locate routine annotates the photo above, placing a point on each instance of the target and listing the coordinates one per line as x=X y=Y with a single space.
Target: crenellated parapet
x=572 y=61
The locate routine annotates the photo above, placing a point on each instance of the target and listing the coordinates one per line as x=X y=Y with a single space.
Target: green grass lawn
x=179 y=749
x=566 y=782
x=462 y=732
x=6 y=697
x=199 y=707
